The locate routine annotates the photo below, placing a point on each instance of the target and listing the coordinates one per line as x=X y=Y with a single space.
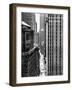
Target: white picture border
x=63 y=77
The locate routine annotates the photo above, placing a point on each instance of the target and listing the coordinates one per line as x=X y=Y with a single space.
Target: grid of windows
x=55 y=44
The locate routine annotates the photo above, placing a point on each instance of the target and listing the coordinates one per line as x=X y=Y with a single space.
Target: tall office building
x=54 y=30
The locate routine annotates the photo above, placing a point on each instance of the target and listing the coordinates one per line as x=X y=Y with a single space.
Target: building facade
x=30 y=54
x=51 y=42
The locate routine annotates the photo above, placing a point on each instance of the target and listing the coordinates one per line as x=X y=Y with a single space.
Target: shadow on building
x=30 y=53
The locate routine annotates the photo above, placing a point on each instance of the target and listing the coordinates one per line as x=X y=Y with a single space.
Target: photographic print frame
x=21 y=12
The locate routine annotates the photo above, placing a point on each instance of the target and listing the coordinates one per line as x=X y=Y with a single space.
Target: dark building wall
x=30 y=64
x=27 y=39
x=30 y=56
x=29 y=18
